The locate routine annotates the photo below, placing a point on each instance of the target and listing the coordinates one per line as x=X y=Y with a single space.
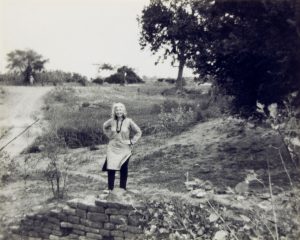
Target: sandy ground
x=19 y=108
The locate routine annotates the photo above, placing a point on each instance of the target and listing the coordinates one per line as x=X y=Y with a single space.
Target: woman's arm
x=107 y=128
x=137 y=130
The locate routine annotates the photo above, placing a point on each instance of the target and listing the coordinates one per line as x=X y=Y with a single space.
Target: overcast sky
x=75 y=34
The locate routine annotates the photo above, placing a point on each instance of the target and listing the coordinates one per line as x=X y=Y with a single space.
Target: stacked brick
x=83 y=220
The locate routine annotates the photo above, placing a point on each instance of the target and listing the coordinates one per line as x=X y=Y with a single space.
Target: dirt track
x=20 y=107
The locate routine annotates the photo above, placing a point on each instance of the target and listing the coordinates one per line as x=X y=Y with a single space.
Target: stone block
x=28 y=222
x=109 y=226
x=117 y=233
x=44 y=235
x=73 y=219
x=97 y=209
x=81 y=213
x=38 y=222
x=121 y=227
x=112 y=211
x=34 y=238
x=37 y=229
x=57 y=233
x=53 y=220
x=118 y=238
x=78 y=232
x=15 y=229
x=47 y=230
x=69 y=211
x=89 y=223
x=97 y=217
x=92 y=230
x=33 y=234
x=41 y=217
x=114 y=205
x=53 y=237
x=82 y=206
x=73 y=203
x=54 y=212
x=66 y=225
x=124 y=211
x=101 y=203
x=118 y=219
x=73 y=236
x=105 y=233
x=56 y=227
x=130 y=236
x=94 y=236
x=30 y=216
x=79 y=227
x=62 y=217
x=134 y=229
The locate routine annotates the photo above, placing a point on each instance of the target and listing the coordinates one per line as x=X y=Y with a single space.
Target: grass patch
x=78 y=113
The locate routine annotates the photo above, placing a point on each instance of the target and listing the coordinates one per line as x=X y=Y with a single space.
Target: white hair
x=113 y=110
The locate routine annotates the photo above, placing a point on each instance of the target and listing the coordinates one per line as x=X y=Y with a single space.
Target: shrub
x=8 y=167
x=84 y=137
x=167 y=80
x=77 y=78
x=98 y=80
x=58 y=165
x=115 y=78
x=11 y=79
x=177 y=119
x=124 y=75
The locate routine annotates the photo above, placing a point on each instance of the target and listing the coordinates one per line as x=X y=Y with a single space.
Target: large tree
x=252 y=50
x=26 y=62
x=169 y=27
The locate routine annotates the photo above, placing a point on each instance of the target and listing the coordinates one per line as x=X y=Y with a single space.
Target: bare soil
x=221 y=151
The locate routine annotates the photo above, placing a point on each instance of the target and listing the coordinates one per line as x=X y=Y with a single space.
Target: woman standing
x=118 y=129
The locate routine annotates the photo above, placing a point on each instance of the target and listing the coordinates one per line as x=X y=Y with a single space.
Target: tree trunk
x=297 y=15
x=179 y=81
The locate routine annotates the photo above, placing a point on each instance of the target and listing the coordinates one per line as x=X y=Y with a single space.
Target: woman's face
x=119 y=111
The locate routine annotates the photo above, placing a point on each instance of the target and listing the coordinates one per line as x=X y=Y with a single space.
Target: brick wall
x=82 y=219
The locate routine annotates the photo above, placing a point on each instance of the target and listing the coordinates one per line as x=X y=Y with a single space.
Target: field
x=191 y=150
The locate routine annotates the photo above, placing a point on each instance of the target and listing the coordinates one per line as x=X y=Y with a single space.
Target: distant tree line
x=28 y=67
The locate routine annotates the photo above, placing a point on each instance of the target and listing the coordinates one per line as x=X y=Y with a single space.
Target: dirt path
x=19 y=108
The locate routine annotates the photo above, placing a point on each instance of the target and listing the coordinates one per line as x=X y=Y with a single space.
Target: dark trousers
x=123 y=176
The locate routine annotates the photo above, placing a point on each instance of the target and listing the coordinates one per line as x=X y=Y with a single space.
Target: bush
x=8 y=167
x=167 y=80
x=88 y=136
x=77 y=78
x=98 y=80
x=11 y=79
x=177 y=119
x=58 y=166
x=124 y=75
x=58 y=77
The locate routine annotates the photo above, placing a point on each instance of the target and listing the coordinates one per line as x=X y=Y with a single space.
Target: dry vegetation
x=191 y=169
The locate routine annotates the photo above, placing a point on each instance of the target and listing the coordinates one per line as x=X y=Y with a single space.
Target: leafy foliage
x=26 y=62
x=124 y=75
x=169 y=26
x=177 y=119
x=58 y=77
x=251 y=49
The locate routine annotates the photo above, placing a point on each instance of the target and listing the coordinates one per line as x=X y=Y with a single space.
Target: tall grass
x=77 y=114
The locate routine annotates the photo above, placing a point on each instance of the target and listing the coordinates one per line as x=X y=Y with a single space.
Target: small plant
x=8 y=167
x=177 y=119
x=59 y=163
